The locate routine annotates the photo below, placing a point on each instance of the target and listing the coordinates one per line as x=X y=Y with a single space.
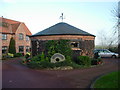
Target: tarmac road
x=16 y=75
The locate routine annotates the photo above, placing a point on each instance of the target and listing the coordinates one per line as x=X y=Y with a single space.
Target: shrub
x=96 y=61
x=83 y=60
x=12 y=48
x=36 y=58
x=27 y=55
x=4 y=56
x=40 y=64
x=69 y=59
x=40 y=61
x=10 y=55
x=18 y=55
x=42 y=57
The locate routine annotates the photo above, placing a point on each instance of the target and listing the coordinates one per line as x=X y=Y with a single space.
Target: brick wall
x=17 y=41
x=86 y=43
x=21 y=42
x=68 y=37
x=7 y=41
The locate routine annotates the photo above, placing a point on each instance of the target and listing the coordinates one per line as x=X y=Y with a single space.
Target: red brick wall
x=16 y=37
x=21 y=42
x=56 y=37
x=86 y=42
x=6 y=42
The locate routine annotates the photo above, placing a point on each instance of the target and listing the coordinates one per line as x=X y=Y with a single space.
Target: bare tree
x=116 y=12
x=106 y=40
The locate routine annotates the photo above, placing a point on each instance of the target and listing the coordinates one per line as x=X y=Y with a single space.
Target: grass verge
x=108 y=81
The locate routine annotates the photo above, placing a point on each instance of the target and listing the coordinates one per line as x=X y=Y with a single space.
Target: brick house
x=82 y=43
x=17 y=30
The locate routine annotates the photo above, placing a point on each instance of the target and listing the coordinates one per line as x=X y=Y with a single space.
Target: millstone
x=57 y=57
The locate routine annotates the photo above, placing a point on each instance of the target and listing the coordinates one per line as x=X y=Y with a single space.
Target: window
x=4 y=49
x=21 y=48
x=74 y=44
x=4 y=36
x=27 y=48
x=4 y=24
x=20 y=36
x=27 y=38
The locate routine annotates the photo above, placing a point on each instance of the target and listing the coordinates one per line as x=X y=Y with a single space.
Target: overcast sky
x=92 y=16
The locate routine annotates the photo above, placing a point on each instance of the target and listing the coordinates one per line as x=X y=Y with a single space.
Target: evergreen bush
x=83 y=60
x=12 y=48
x=18 y=55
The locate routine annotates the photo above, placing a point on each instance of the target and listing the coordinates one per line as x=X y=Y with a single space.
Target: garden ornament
x=57 y=57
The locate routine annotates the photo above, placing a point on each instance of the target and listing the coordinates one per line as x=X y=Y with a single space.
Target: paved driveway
x=16 y=75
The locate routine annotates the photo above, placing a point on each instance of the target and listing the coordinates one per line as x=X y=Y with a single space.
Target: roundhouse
x=82 y=42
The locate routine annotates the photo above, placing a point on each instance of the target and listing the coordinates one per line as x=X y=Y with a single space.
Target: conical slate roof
x=62 y=29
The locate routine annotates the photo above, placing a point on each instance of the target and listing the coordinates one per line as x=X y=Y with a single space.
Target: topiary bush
x=83 y=60
x=12 y=48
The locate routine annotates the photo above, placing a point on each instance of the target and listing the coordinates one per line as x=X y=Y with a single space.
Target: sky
x=93 y=16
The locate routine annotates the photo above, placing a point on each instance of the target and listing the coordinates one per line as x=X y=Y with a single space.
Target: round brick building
x=82 y=43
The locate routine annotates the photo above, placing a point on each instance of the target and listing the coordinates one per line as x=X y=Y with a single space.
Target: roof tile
x=12 y=26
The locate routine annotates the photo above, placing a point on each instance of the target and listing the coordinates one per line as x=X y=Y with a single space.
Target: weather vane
x=62 y=17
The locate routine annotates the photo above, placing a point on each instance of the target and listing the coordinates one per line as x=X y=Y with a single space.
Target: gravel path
x=16 y=75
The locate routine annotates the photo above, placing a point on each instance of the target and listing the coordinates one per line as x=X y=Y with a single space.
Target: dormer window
x=4 y=24
x=21 y=37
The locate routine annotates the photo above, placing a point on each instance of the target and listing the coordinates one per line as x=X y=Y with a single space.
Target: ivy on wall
x=59 y=46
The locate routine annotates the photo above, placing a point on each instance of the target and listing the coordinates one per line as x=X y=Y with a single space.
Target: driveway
x=16 y=75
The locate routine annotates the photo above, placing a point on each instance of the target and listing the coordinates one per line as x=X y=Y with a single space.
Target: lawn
x=108 y=81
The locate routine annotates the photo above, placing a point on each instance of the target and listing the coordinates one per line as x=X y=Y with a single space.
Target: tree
x=12 y=48
x=116 y=13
